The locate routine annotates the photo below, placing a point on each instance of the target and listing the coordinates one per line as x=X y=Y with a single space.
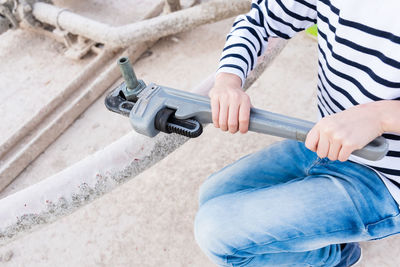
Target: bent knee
x=204 y=191
x=217 y=234
x=210 y=230
x=212 y=187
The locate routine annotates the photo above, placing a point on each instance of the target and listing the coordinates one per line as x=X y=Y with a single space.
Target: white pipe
x=142 y=31
x=97 y=174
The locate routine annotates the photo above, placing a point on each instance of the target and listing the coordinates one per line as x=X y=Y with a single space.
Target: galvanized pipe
x=76 y=186
x=142 y=31
x=128 y=73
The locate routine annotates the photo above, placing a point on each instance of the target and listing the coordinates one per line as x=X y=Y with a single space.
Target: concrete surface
x=48 y=112
x=149 y=220
x=28 y=81
x=173 y=62
x=25 y=66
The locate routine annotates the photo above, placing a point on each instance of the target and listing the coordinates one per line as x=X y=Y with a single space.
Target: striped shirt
x=359 y=56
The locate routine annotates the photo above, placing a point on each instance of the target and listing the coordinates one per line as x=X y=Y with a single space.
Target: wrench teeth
x=191 y=128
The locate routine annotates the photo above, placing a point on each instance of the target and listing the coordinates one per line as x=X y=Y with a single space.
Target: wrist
x=228 y=80
x=388 y=113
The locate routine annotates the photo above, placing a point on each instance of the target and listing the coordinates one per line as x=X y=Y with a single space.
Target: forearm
x=249 y=36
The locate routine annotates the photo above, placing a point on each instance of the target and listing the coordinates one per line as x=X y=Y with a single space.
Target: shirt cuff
x=232 y=70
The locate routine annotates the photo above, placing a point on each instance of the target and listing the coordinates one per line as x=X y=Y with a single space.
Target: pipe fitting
x=132 y=86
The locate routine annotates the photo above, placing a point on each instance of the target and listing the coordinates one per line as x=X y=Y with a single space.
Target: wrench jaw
x=151 y=108
x=122 y=99
x=166 y=122
x=116 y=101
x=149 y=114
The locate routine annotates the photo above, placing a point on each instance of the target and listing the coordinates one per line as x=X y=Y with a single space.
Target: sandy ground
x=33 y=69
x=149 y=220
x=30 y=81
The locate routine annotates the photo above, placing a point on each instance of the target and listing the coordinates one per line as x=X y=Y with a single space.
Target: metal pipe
x=142 y=31
x=76 y=186
x=128 y=73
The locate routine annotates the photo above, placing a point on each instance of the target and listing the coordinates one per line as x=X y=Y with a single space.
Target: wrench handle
x=192 y=106
x=266 y=122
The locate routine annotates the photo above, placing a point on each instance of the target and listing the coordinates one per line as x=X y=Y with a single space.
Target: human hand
x=230 y=105
x=338 y=135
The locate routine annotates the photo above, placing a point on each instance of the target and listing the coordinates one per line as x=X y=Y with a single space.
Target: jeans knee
x=205 y=229
x=208 y=189
x=209 y=232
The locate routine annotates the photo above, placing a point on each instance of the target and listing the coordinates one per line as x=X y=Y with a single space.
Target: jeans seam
x=313 y=164
x=367 y=226
x=289 y=239
x=233 y=265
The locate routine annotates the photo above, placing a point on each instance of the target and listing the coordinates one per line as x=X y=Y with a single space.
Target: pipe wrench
x=153 y=108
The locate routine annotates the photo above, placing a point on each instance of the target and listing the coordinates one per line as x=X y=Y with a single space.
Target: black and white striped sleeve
x=249 y=35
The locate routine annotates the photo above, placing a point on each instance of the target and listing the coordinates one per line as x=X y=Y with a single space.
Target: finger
x=323 y=146
x=312 y=139
x=345 y=152
x=233 y=117
x=215 y=111
x=334 y=149
x=223 y=115
x=244 y=116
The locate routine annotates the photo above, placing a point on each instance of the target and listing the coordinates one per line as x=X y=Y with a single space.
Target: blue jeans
x=284 y=206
